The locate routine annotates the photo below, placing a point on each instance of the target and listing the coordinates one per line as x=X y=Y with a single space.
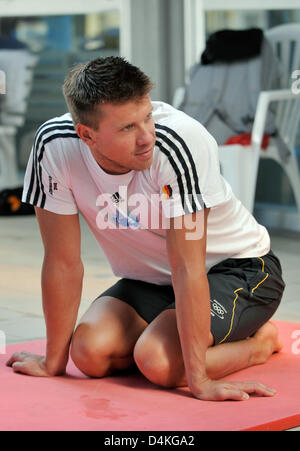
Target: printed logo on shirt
x=167 y=190
x=140 y=211
x=130 y=221
x=52 y=185
x=217 y=309
x=116 y=198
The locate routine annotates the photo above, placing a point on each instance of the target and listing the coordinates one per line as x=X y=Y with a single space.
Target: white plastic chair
x=239 y=164
x=18 y=66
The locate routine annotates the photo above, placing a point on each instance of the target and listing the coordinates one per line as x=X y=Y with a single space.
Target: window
x=59 y=42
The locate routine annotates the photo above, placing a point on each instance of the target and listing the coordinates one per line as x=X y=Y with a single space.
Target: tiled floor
x=21 y=254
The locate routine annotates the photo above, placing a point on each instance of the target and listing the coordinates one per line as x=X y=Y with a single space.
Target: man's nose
x=145 y=137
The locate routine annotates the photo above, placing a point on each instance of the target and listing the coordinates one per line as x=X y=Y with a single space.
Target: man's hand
x=30 y=364
x=239 y=391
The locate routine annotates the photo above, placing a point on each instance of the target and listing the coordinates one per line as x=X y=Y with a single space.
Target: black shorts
x=245 y=293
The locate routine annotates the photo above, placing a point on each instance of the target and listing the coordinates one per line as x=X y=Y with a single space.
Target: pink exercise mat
x=131 y=403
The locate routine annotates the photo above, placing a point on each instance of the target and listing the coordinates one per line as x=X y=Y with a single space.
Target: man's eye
x=128 y=127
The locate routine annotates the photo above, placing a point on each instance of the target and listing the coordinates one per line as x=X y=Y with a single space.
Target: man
x=201 y=247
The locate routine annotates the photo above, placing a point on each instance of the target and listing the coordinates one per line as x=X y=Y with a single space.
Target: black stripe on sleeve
x=51 y=138
x=43 y=130
x=178 y=174
x=190 y=174
x=57 y=123
x=187 y=151
x=173 y=146
x=38 y=153
x=38 y=158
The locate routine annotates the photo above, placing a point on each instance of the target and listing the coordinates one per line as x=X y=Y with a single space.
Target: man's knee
x=91 y=352
x=154 y=362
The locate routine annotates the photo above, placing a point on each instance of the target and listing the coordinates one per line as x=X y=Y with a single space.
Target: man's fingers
x=19 y=367
x=232 y=390
x=257 y=388
x=240 y=391
x=27 y=363
x=233 y=394
x=29 y=367
x=16 y=357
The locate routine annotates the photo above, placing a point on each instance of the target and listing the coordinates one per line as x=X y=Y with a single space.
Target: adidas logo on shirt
x=116 y=198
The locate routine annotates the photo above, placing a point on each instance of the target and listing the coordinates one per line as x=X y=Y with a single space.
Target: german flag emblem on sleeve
x=167 y=190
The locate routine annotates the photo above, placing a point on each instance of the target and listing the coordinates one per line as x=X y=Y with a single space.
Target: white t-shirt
x=128 y=214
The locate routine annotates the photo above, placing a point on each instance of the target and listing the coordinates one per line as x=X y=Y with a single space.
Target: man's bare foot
x=266 y=343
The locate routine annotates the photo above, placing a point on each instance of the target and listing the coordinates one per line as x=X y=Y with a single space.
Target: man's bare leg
x=158 y=352
x=105 y=337
x=228 y=358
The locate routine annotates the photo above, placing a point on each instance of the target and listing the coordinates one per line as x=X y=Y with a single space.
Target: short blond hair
x=103 y=80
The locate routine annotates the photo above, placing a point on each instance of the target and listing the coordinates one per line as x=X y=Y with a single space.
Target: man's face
x=125 y=137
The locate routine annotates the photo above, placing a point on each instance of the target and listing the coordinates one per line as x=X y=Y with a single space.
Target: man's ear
x=85 y=133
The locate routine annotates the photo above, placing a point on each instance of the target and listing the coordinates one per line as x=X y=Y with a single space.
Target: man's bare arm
x=187 y=259
x=62 y=276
